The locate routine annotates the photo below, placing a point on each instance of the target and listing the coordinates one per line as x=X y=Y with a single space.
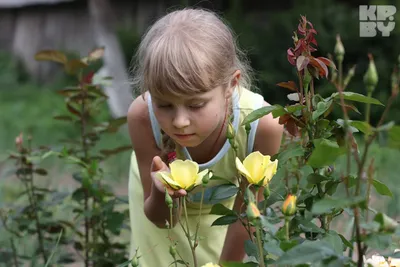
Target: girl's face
x=190 y=120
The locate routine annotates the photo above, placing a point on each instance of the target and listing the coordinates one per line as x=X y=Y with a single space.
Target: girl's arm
x=267 y=141
x=146 y=149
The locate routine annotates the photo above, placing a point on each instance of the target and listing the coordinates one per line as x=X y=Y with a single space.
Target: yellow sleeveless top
x=152 y=242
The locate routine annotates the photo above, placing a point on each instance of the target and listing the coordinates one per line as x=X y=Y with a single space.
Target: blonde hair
x=186 y=52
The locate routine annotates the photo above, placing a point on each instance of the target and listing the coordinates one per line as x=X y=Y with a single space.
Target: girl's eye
x=164 y=106
x=197 y=105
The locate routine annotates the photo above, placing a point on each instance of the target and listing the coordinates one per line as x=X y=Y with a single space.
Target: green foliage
x=98 y=219
x=315 y=143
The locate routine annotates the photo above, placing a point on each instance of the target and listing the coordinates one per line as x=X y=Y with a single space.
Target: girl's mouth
x=184 y=136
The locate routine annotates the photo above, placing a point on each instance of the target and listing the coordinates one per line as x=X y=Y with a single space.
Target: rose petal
x=270 y=171
x=254 y=164
x=165 y=178
x=240 y=167
x=184 y=172
x=200 y=176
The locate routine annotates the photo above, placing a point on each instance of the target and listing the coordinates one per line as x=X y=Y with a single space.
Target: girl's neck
x=212 y=145
x=207 y=150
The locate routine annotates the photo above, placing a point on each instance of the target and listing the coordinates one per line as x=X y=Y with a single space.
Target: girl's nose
x=181 y=120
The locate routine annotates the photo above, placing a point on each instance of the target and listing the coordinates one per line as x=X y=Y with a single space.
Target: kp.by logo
x=374 y=17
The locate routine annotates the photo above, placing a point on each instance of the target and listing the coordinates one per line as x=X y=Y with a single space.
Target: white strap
x=154 y=123
x=259 y=101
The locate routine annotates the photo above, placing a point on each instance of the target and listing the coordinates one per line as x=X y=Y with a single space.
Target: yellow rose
x=210 y=264
x=183 y=175
x=257 y=168
x=376 y=261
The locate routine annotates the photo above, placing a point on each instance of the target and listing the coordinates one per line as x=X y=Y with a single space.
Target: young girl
x=193 y=81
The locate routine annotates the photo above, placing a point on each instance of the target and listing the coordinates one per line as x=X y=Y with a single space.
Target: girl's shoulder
x=269 y=134
x=139 y=124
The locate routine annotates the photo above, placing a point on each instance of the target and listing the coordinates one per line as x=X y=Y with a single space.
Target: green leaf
x=291 y=152
x=352 y=129
x=308 y=252
x=225 y=220
x=258 y=113
x=250 y=248
x=215 y=177
x=362 y=126
x=220 y=209
x=321 y=108
x=114 y=222
x=222 y=192
x=289 y=244
x=378 y=241
x=381 y=188
x=394 y=137
x=357 y=98
x=325 y=205
x=386 y=223
x=272 y=247
x=308 y=226
x=315 y=178
x=346 y=242
x=325 y=153
x=333 y=239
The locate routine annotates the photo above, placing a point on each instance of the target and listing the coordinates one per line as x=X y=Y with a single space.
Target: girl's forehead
x=187 y=97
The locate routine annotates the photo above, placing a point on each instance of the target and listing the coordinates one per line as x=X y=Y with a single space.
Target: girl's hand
x=159 y=165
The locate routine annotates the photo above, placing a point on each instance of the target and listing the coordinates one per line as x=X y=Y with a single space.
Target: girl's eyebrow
x=185 y=99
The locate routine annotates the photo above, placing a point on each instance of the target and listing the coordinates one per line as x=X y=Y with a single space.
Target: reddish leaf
x=118 y=122
x=349 y=107
x=320 y=66
x=327 y=62
x=312 y=49
x=69 y=91
x=95 y=90
x=284 y=119
x=51 y=55
x=78 y=98
x=42 y=172
x=73 y=110
x=290 y=56
x=75 y=65
x=302 y=62
x=87 y=79
x=301 y=30
x=292 y=127
x=63 y=118
x=291 y=85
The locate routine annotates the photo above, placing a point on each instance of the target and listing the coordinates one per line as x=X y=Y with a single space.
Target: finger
x=156 y=164
x=182 y=192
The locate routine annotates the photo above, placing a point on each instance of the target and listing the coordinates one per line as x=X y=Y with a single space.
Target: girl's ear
x=233 y=84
